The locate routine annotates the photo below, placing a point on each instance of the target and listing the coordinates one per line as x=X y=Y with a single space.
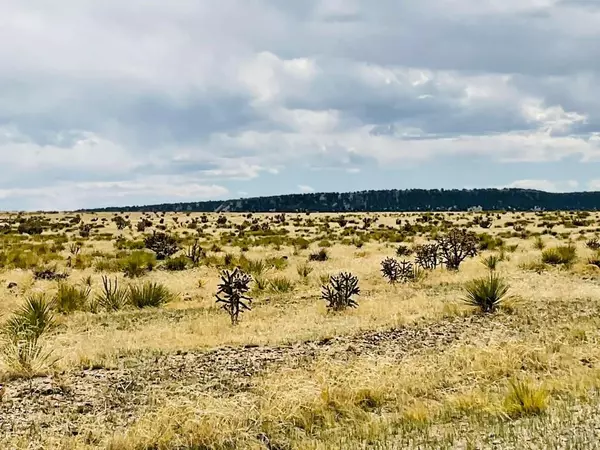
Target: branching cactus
x=456 y=246
x=390 y=270
x=340 y=290
x=427 y=256
x=232 y=293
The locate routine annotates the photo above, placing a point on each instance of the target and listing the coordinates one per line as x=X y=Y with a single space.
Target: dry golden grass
x=515 y=373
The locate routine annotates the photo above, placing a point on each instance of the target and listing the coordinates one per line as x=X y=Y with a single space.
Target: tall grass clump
x=281 y=285
x=561 y=255
x=70 y=298
x=486 y=293
x=138 y=264
x=525 y=399
x=149 y=295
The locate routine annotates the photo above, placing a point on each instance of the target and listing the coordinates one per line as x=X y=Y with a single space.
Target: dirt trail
x=113 y=398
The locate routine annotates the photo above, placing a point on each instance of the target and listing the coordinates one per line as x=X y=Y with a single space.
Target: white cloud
x=546 y=185
x=305 y=189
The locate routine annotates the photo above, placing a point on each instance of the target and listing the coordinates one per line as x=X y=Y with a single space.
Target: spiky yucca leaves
x=491 y=261
x=304 y=270
x=486 y=293
x=340 y=290
x=149 y=295
x=22 y=351
x=456 y=246
x=71 y=298
x=112 y=297
x=232 y=293
x=30 y=321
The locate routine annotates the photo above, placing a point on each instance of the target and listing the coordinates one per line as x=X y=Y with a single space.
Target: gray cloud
x=106 y=92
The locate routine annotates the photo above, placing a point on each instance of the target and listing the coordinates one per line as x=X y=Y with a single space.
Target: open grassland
x=111 y=336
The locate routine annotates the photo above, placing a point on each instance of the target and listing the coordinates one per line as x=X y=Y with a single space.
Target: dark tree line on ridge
x=388 y=200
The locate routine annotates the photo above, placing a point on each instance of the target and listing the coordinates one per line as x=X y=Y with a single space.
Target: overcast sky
x=112 y=102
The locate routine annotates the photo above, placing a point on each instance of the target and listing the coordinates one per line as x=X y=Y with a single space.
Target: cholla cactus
x=395 y=271
x=340 y=290
x=456 y=246
x=427 y=256
x=390 y=270
x=232 y=292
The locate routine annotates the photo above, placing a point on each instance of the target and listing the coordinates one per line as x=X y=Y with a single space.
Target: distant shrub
x=455 y=246
x=195 y=253
x=595 y=259
x=403 y=250
x=321 y=255
x=163 y=244
x=593 y=244
x=176 y=264
x=31 y=226
x=491 y=261
x=539 y=243
x=50 y=273
x=278 y=263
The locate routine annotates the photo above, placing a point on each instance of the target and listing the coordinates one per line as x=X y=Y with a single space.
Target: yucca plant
x=149 y=295
x=30 y=321
x=255 y=267
x=486 y=293
x=71 y=298
x=539 y=243
x=112 y=297
x=260 y=283
x=491 y=261
x=304 y=270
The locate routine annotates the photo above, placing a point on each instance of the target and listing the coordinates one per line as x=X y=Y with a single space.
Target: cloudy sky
x=111 y=102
